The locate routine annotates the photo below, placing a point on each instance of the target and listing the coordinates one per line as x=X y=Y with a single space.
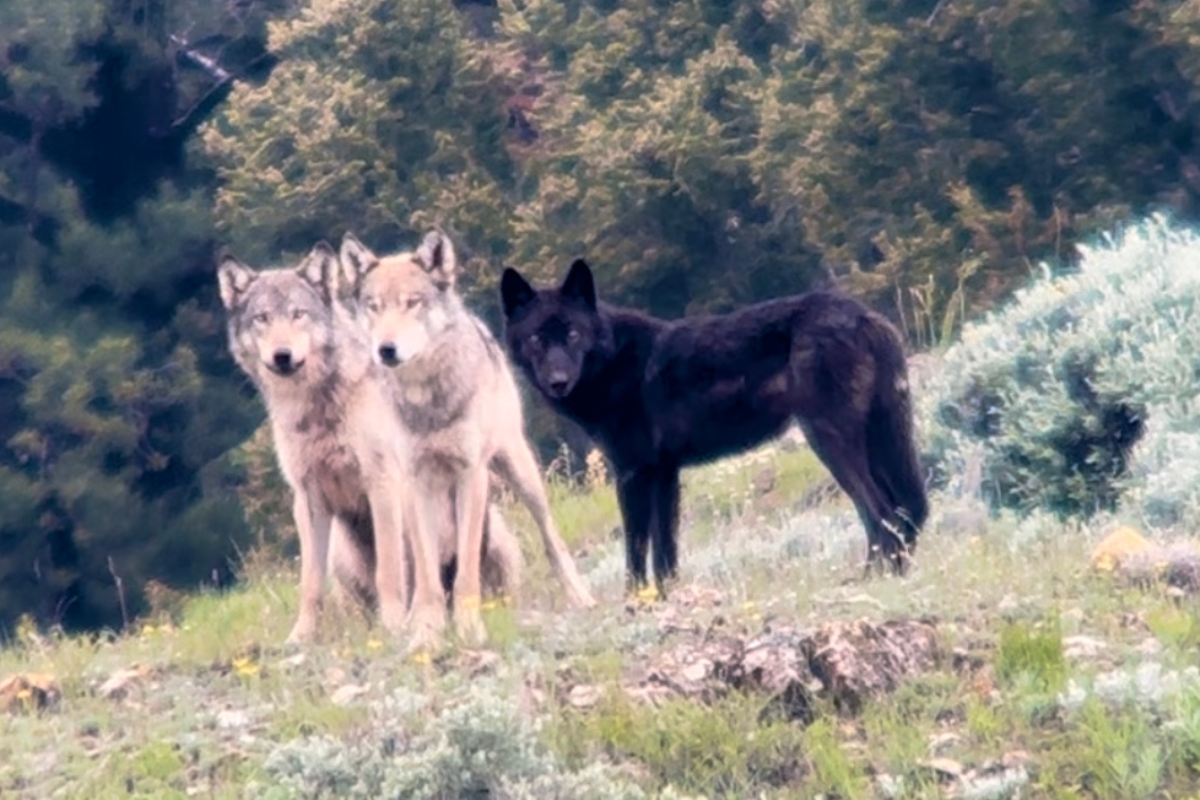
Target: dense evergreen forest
x=926 y=155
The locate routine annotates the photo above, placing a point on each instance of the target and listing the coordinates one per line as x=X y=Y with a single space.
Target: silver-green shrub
x=1081 y=394
x=479 y=746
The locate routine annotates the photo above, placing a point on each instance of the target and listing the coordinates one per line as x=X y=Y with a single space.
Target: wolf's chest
x=431 y=405
x=336 y=475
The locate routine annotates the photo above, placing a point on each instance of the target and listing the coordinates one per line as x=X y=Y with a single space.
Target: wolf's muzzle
x=558 y=382
x=283 y=363
x=388 y=355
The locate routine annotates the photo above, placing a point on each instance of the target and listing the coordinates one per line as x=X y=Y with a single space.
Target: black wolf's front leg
x=635 y=493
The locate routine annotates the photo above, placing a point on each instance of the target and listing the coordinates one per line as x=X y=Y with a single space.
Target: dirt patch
x=847 y=662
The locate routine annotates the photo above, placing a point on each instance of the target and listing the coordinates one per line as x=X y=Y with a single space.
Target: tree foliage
x=116 y=402
x=701 y=154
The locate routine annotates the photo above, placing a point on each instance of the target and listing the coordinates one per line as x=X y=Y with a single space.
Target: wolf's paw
x=426 y=626
x=303 y=632
x=391 y=616
x=468 y=621
x=641 y=597
x=580 y=597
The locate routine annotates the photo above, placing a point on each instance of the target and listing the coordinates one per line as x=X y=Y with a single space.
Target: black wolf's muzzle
x=559 y=383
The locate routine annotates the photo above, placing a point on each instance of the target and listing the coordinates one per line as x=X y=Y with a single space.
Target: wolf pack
x=396 y=414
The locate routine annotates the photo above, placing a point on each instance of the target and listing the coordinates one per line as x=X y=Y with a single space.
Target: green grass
x=222 y=698
x=1034 y=653
x=721 y=750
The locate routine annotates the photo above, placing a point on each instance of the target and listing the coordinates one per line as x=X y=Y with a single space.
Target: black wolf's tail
x=891 y=444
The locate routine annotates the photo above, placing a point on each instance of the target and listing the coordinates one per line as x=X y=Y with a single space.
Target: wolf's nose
x=283 y=359
x=388 y=355
x=558 y=381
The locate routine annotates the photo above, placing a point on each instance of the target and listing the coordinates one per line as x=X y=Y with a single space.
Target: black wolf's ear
x=436 y=255
x=579 y=284
x=356 y=259
x=515 y=292
x=320 y=268
x=233 y=278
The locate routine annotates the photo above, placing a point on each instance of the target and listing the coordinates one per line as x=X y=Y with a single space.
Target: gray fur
x=336 y=436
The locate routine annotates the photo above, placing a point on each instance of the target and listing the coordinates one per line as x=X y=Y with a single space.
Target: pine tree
x=117 y=402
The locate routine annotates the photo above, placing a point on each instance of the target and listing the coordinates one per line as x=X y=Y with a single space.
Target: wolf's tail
x=892 y=444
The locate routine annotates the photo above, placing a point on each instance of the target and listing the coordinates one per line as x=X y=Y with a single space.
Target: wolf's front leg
x=635 y=495
x=390 y=576
x=470 y=505
x=424 y=513
x=312 y=527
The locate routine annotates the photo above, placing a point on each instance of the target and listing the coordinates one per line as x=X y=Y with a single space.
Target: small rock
x=292 y=661
x=890 y=786
x=585 y=695
x=1149 y=646
x=119 y=684
x=857 y=660
x=477 y=662
x=993 y=785
x=30 y=691
x=1083 y=647
x=941 y=742
x=232 y=718
x=347 y=694
x=946 y=767
x=764 y=480
x=1116 y=547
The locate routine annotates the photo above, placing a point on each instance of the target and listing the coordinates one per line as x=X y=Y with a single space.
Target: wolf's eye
x=299 y=314
x=262 y=318
x=373 y=305
x=535 y=340
x=415 y=301
x=572 y=335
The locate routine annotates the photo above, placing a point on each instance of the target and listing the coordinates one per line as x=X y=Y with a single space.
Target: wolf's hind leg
x=664 y=526
x=843 y=450
x=352 y=564
x=500 y=572
x=516 y=463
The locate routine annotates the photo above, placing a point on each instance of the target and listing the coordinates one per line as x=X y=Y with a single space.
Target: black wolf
x=657 y=395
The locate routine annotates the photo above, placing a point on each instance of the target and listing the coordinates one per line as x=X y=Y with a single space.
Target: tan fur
x=339 y=442
x=456 y=395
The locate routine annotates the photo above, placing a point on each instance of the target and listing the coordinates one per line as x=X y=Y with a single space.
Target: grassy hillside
x=1048 y=680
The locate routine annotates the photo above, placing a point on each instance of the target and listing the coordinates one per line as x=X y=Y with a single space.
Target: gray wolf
x=457 y=396
x=657 y=395
x=336 y=436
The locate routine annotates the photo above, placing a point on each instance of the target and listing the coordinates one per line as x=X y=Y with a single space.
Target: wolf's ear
x=319 y=268
x=233 y=278
x=515 y=292
x=356 y=260
x=579 y=284
x=436 y=255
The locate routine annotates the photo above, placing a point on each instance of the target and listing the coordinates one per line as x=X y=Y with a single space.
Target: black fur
x=659 y=395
